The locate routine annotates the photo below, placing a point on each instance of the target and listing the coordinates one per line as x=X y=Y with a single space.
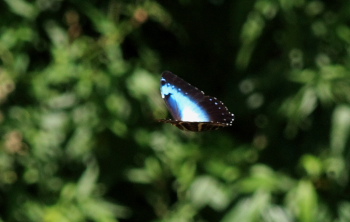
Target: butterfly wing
x=191 y=108
x=182 y=99
x=194 y=126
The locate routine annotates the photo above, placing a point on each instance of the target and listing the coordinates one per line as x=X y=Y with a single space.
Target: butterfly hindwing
x=191 y=109
x=194 y=126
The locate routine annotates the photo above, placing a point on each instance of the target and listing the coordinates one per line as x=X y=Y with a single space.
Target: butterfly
x=191 y=109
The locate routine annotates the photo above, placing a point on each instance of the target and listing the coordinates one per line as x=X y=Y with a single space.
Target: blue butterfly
x=191 y=109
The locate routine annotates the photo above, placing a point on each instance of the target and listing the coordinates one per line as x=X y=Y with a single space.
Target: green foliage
x=79 y=96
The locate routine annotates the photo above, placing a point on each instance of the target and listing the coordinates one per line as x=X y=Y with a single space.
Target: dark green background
x=79 y=94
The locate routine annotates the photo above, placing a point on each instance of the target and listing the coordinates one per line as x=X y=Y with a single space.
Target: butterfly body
x=191 y=109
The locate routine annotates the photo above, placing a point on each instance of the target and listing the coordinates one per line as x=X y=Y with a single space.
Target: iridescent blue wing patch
x=191 y=109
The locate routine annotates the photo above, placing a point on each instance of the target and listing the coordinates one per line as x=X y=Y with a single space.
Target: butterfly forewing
x=191 y=109
x=182 y=99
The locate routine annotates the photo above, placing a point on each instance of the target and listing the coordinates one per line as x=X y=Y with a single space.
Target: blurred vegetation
x=79 y=96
